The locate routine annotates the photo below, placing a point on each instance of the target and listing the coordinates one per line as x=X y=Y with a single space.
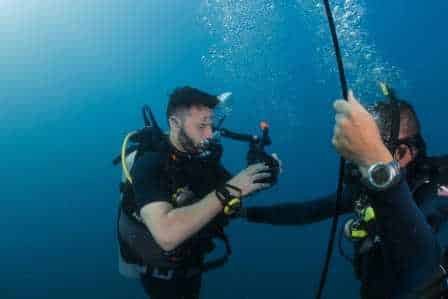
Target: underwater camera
x=256 y=152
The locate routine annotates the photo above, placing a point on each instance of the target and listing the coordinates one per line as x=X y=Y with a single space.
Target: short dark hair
x=409 y=121
x=187 y=97
x=383 y=114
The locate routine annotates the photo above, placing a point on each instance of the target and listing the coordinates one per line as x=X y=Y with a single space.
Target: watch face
x=380 y=175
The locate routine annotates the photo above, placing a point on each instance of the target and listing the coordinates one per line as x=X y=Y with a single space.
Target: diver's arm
x=170 y=226
x=298 y=213
x=410 y=249
x=435 y=209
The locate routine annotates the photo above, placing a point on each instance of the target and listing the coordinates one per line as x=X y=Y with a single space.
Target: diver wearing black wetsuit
x=157 y=178
x=177 y=196
x=399 y=251
x=395 y=214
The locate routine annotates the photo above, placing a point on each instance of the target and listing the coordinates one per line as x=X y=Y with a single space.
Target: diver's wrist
x=381 y=176
x=382 y=155
x=229 y=201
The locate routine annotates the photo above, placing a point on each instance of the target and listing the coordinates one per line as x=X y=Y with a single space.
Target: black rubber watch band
x=224 y=195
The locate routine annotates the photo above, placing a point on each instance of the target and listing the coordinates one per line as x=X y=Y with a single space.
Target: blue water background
x=74 y=75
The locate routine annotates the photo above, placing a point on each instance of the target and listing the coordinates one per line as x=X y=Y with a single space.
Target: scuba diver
x=177 y=197
x=397 y=192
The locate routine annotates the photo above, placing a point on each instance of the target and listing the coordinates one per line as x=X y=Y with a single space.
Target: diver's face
x=195 y=128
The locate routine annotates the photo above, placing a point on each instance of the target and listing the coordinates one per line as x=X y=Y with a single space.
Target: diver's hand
x=356 y=135
x=245 y=180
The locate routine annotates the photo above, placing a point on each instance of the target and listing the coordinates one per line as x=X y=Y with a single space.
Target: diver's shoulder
x=151 y=157
x=148 y=160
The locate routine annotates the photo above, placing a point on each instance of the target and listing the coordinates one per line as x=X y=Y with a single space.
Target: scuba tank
x=150 y=137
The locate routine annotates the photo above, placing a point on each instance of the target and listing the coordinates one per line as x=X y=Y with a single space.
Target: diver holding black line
x=396 y=249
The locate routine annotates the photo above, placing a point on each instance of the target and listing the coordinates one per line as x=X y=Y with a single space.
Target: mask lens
x=414 y=143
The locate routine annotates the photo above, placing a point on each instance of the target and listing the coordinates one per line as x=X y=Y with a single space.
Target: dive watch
x=381 y=176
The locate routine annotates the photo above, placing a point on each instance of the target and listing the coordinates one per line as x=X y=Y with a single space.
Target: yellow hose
x=123 y=156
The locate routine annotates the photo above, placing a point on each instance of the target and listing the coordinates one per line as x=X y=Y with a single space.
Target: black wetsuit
x=158 y=177
x=408 y=253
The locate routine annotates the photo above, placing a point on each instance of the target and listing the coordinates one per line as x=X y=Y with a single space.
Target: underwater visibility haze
x=75 y=74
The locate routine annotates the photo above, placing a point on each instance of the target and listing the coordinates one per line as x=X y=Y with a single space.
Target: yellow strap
x=232 y=206
x=359 y=234
x=368 y=214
